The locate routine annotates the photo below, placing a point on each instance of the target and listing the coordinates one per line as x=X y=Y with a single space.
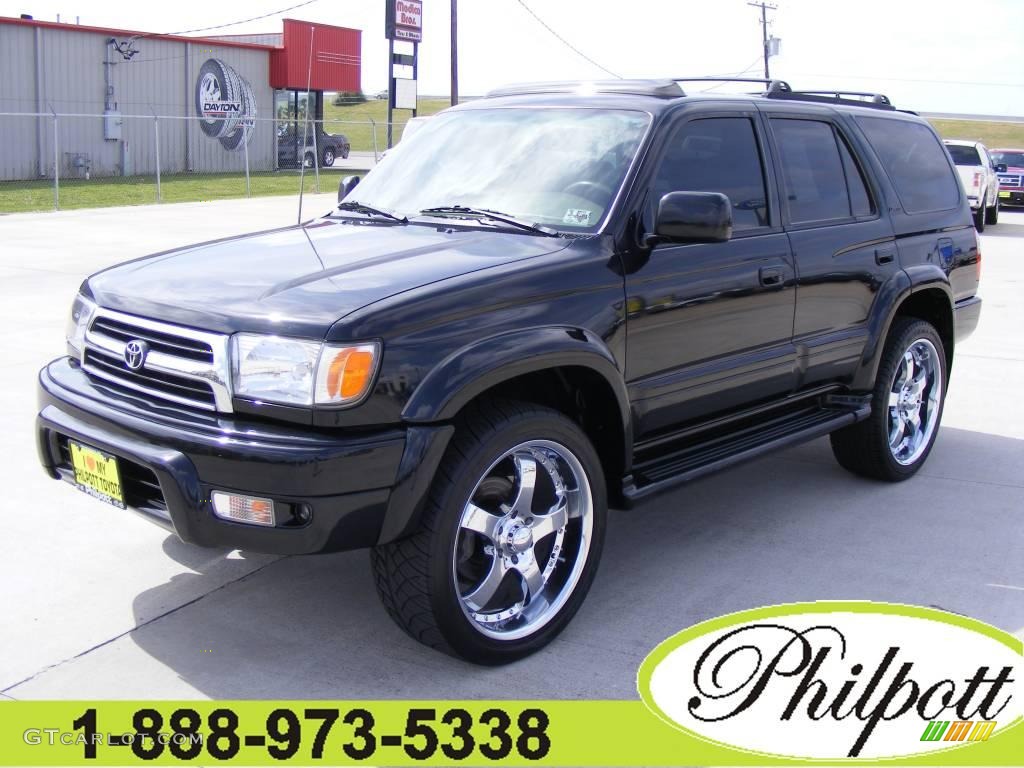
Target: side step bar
x=704 y=457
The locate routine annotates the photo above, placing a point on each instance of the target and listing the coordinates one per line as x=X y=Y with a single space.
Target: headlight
x=82 y=310
x=298 y=372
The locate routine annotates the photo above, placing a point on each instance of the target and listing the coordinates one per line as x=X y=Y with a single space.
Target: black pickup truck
x=546 y=302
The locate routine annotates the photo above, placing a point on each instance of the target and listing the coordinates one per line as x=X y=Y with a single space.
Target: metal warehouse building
x=222 y=103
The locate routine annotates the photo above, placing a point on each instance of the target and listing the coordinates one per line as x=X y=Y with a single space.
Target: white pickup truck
x=981 y=181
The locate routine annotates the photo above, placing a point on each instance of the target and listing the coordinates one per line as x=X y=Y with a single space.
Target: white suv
x=978 y=173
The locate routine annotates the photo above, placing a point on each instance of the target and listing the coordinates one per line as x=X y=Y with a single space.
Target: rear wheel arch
x=927 y=297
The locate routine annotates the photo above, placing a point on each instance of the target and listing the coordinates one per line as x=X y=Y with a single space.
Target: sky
x=926 y=55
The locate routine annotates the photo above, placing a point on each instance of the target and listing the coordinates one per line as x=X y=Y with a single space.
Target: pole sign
x=404 y=20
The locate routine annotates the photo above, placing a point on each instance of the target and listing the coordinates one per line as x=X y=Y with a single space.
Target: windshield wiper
x=356 y=207
x=466 y=212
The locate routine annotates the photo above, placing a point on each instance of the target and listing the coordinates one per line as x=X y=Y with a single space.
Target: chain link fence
x=53 y=161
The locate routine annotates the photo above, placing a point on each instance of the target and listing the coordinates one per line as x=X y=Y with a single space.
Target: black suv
x=546 y=302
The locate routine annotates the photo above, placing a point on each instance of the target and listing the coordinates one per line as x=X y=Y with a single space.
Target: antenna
x=305 y=127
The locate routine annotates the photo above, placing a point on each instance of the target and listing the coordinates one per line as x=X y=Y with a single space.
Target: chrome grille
x=182 y=366
x=1010 y=179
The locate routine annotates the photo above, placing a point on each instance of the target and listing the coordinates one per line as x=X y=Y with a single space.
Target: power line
x=230 y=23
x=566 y=42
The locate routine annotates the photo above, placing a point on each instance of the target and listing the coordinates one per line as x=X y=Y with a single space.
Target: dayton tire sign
x=837 y=680
x=226 y=104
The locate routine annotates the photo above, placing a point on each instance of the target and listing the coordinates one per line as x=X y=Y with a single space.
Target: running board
x=698 y=458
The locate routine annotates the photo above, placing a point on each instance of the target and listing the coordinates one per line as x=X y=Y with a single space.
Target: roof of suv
x=657 y=94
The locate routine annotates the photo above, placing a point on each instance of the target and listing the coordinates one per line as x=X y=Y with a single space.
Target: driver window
x=718 y=154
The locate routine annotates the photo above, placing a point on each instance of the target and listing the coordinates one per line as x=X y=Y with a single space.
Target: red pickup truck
x=1011 y=179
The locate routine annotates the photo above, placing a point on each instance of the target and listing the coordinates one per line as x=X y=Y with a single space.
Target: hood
x=301 y=280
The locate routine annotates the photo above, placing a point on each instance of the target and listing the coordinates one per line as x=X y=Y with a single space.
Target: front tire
x=328 y=157
x=906 y=406
x=510 y=538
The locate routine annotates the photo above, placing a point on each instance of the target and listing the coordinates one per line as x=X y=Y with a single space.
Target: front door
x=710 y=326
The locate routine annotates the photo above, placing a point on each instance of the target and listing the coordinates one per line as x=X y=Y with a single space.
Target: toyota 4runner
x=546 y=302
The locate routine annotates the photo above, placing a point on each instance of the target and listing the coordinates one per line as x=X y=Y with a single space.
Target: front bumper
x=171 y=461
x=1011 y=196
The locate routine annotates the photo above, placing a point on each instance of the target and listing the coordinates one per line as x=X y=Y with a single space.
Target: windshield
x=963 y=155
x=1009 y=159
x=551 y=166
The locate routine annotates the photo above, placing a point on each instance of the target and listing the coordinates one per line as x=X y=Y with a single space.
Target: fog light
x=244 y=509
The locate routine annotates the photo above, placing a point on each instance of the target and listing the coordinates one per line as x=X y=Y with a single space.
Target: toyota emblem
x=135 y=354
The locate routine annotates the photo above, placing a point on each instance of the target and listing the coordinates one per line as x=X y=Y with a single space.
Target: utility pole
x=455 y=52
x=765 y=7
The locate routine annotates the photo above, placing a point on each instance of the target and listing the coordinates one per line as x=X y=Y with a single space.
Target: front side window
x=717 y=154
x=813 y=175
x=560 y=167
x=915 y=161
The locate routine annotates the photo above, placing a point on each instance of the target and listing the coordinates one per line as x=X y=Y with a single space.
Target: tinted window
x=963 y=155
x=717 y=155
x=812 y=170
x=1008 y=158
x=916 y=163
x=860 y=198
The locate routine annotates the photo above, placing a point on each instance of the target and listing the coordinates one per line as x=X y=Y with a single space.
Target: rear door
x=710 y=325
x=843 y=245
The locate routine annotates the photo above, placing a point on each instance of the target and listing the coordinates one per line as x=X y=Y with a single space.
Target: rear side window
x=915 y=161
x=717 y=155
x=812 y=170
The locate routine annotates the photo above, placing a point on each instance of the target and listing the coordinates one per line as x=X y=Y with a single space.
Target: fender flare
x=891 y=296
x=464 y=375
x=475 y=368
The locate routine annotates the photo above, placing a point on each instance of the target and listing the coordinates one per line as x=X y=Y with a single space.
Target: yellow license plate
x=96 y=474
x=1004 y=194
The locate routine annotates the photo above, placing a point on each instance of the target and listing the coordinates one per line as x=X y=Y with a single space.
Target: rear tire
x=510 y=537
x=979 y=219
x=992 y=214
x=906 y=410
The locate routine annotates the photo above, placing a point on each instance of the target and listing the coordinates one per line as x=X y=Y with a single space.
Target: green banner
x=399 y=733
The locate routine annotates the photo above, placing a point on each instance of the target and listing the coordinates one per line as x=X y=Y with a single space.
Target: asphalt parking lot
x=101 y=604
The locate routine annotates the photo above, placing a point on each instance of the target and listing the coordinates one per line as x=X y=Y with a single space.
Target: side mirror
x=1000 y=167
x=692 y=217
x=347 y=185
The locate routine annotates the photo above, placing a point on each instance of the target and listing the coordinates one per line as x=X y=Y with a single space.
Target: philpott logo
x=226 y=104
x=833 y=680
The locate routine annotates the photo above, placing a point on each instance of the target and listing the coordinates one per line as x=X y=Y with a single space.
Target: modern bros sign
x=835 y=680
x=404 y=20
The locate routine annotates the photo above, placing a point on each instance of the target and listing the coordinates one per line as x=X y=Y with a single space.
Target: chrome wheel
x=523 y=540
x=915 y=396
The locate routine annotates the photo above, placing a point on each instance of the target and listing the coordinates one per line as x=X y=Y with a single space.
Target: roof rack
x=850 y=98
x=771 y=86
x=663 y=89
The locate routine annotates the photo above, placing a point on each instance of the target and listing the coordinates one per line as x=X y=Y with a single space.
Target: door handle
x=770 y=276
x=885 y=256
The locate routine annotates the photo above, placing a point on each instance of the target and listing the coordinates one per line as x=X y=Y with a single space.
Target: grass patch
x=37 y=194
x=361 y=136
x=992 y=135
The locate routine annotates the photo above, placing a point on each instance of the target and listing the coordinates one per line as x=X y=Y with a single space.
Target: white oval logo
x=838 y=679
